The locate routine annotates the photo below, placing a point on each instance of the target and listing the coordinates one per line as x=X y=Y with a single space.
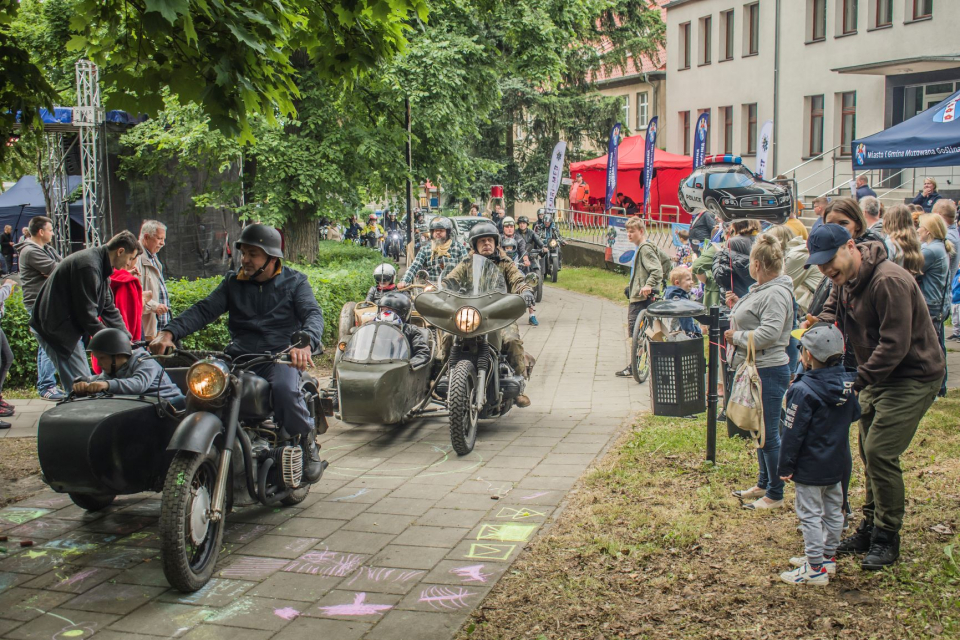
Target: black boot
x=859 y=542
x=313 y=466
x=884 y=550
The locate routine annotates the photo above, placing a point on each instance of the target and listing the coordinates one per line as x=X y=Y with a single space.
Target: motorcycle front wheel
x=463 y=413
x=189 y=541
x=554 y=268
x=640 y=363
x=538 y=296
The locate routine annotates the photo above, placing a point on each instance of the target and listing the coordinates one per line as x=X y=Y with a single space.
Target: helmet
x=397 y=302
x=384 y=273
x=508 y=221
x=484 y=230
x=260 y=235
x=547 y=220
x=372 y=216
x=440 y=222
x=523 y=219
x=509 y=245
x=391 y=214
x=112 y=342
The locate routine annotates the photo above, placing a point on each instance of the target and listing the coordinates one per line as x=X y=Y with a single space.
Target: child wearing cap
x=821 y=405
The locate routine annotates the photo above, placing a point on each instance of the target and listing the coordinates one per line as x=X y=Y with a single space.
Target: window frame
x=877 y=7
x=706 y=40
x=625 y=107
x=923 y=16
x=685 y=53
x=815 y=116
x=753 y=34
x=646 y=109
x=729 y=26
x=685 y=133
x=818 y=19
x=845 y=29
x=844 y=112
x=727 y=135
x=753 y=114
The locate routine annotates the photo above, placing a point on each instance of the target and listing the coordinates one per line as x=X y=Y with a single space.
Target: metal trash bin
x=677 y=369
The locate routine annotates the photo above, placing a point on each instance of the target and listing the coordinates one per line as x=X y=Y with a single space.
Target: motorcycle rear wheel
x=640 y=363
x=187 y=493
x=297 y=496
x=347 y=320
x=91 y=502
x=463 y=414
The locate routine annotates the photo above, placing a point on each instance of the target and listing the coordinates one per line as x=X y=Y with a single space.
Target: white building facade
x=825 y=71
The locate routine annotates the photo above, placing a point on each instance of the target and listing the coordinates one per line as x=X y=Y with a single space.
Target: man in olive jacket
x=647 y=275
x=881 y=311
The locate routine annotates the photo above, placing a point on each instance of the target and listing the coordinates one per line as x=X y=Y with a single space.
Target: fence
x=594 y=228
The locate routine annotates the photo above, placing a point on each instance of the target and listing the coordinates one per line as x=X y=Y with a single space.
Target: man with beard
x=442 y=254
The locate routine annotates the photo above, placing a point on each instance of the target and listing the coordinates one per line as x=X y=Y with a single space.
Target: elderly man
x=156 y=301
x=871 y=213
x=863 y=187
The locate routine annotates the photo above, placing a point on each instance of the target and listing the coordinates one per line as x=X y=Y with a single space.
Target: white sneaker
x=830 y=564
x=806 y=575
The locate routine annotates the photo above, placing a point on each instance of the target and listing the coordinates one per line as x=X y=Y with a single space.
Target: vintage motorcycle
x=393 y=245
x=224 y=447
x=481 y=384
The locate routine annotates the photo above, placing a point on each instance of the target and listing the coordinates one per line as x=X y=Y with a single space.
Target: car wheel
x=713 y=207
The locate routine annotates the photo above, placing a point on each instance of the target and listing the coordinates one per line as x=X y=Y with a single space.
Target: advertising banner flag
x=612 y=148
x=700 y=141
x=649 y=147
x=556 y=171
x=764 y=142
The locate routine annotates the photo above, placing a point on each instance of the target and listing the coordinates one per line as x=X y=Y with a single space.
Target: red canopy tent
x=671 y=169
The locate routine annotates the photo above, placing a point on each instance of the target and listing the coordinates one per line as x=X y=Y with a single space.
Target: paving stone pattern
x=400 y=539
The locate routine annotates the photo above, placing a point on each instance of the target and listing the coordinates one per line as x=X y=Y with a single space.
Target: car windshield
x=730 y=179
x=481 y=276
x=377 y=342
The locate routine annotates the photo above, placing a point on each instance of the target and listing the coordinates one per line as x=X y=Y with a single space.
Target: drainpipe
x=776 y=90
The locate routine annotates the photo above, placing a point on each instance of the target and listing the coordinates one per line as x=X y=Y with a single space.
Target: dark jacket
x=263 y=316
x=534 y=243
x=419 y=347
x=702 y=227
x=885 y=320
x=36 y=265
x=731 y=266
x=76 y=301
x=821 y=406
x=6 y=244
x=140 y=376
x=376 y=292
x=687 y=324
x=927 y=202
x=864 y=191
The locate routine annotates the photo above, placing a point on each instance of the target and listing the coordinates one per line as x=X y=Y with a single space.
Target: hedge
x=341 y=273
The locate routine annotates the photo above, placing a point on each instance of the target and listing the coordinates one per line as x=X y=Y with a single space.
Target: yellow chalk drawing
x=518 y=514
x=490 y=551
x=506 y=532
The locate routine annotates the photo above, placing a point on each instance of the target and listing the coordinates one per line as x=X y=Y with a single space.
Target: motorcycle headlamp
x=468 y=319
x=207 y=379
x=553 y=243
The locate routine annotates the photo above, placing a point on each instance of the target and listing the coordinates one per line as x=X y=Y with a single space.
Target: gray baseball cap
x=823 y=340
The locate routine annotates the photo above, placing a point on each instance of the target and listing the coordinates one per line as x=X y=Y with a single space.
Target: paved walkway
x=401 y=539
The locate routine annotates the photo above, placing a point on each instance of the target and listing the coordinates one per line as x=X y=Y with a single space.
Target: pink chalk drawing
x=287 y=613
x=385 y=575
x=326 y=563
x=359 y=607
x=535 y=495
x=445 y=597
x=473 y=573
x=78 y=577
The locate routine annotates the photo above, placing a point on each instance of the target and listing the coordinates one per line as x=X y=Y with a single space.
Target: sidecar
x=373 y=380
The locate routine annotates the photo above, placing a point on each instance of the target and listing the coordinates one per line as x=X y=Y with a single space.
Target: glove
x=626 y=292
x=528 y=298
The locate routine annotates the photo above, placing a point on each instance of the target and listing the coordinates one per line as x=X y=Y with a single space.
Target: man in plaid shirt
x=439 y=257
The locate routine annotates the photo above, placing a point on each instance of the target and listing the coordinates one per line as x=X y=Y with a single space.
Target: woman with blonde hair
x=903 y=246
x=765 y=313
x=935 y=280
x=928 y=195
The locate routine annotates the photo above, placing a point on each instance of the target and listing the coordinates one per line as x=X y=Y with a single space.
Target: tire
x=640 y=361
x=538 y=294
x=188 y=566
x=92 y=502
x=463 y=415
x=713 y=207
x=298 y=496
x=554 y=268
x=347 y=320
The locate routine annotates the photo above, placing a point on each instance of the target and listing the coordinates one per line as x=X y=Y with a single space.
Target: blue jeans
x=289 y=408
x=775 y=381
x=70 y=367
x=45 y=369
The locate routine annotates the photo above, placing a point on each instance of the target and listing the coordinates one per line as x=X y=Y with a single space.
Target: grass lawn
x=595 y=282
x=652 y=545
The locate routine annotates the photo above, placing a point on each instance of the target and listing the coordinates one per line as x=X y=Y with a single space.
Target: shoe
x=5 y=425
x=884 y=550
x=533 y=321
x=859 y=542
x=6 y=412
x=722 y=416
x=522 y=401
x=530 y=363
x=52 y=394
x=806 y=575
x=830 y=564
x=4 y=404
x=750 y=494
x=313 y=466
x=625 y=373
x=762 y=504
x=954 y=337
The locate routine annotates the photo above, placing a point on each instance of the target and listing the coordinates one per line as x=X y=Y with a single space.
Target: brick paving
x=401 y=538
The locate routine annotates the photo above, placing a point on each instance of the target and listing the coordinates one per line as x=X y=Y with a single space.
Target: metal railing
x=597 y=228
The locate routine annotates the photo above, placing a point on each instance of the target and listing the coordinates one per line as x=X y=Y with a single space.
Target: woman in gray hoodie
x=766 y=312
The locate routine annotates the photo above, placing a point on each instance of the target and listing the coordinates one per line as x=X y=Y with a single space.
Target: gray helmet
x=112 y=342
x=441 y=222
x=484 y=230
x=384 y=273
x=508 y=222
x=260 y=235
x=509 y=245
x=523 y=219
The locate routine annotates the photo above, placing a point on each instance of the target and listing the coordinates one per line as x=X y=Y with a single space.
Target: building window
x=707 y=148
x=626 y=109
x=685 y=45
x=818 y=20
x=848 y=121
x=849 y=17
x=922 y=9
x=751 y=129
x=685 y=132
x=816 y=126
x=752 y=41
x=726 y=115
x=727 y=24
x=884 y=11
x=643 y=110
x=706 y=40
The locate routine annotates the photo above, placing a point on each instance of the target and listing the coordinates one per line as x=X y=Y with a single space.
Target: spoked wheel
x=92 y=502
x=640 y=363
x=463 y=413
x=190 y=541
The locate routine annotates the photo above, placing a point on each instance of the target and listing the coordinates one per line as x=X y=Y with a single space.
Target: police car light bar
x=723 y=159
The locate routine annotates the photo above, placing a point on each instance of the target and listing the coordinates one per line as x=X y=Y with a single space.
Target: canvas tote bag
x=745 y=408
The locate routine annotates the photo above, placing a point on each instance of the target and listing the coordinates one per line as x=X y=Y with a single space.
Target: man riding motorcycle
x=353 y=230
x=373 y=228
x=266 y=304
x=391 y=223
x=548 y=231
x=485 y=241
x=531 y=239
x=441 y=254
x=509 y=233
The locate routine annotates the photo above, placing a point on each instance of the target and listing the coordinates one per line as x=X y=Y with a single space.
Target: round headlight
x=207 y=379
x=468 y=319
x=553 y=243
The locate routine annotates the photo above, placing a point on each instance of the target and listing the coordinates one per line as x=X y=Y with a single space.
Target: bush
x=341 y=273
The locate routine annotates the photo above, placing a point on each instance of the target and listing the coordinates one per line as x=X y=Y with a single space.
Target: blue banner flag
x=700 y=141
x=648 y=154
x=612 y=157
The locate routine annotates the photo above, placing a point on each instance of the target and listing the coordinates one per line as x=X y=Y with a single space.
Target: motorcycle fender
x=196 y=433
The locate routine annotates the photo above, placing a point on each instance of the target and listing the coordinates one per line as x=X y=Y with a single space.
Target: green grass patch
x=594 y=282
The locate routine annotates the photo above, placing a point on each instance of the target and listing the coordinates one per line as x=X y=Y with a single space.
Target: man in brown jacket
x=881 y=311
x=156 y=309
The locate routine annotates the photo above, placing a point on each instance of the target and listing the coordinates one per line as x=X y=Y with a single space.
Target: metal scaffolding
x=58 y=191
x=88 y=116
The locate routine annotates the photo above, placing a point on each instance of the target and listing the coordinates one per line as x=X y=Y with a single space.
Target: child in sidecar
x=395 y=307
x=127 y=371
x=384 y=274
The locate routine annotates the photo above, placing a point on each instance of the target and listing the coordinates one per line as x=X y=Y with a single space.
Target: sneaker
x=4 y=404
x=6 y=412
x=5 y=425
x=955 y=337
x=749 y=494
x=722 y=416
x=762 y=504
x=884 y=550
x=830 y=564
x=533 y=321
x=624 y=373
x=806 y=575
x=859 y=542
x=52 y=394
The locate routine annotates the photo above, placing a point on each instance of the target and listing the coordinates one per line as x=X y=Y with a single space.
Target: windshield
x=377 y=342
x=730 y=180
x=478 y=276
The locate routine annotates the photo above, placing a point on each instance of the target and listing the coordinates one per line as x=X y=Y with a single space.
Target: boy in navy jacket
x=821 y=405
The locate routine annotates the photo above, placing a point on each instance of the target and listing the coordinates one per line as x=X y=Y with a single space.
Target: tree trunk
x=301 y=236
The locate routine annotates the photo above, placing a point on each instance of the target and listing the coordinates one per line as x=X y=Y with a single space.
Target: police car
x=733 y=192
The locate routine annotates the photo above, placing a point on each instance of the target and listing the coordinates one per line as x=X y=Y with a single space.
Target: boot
x=522 y=401
x=859 y=542
x=884 y=550
x=313 y=466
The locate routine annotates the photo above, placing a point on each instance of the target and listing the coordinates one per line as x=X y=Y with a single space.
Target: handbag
x=745 y=407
